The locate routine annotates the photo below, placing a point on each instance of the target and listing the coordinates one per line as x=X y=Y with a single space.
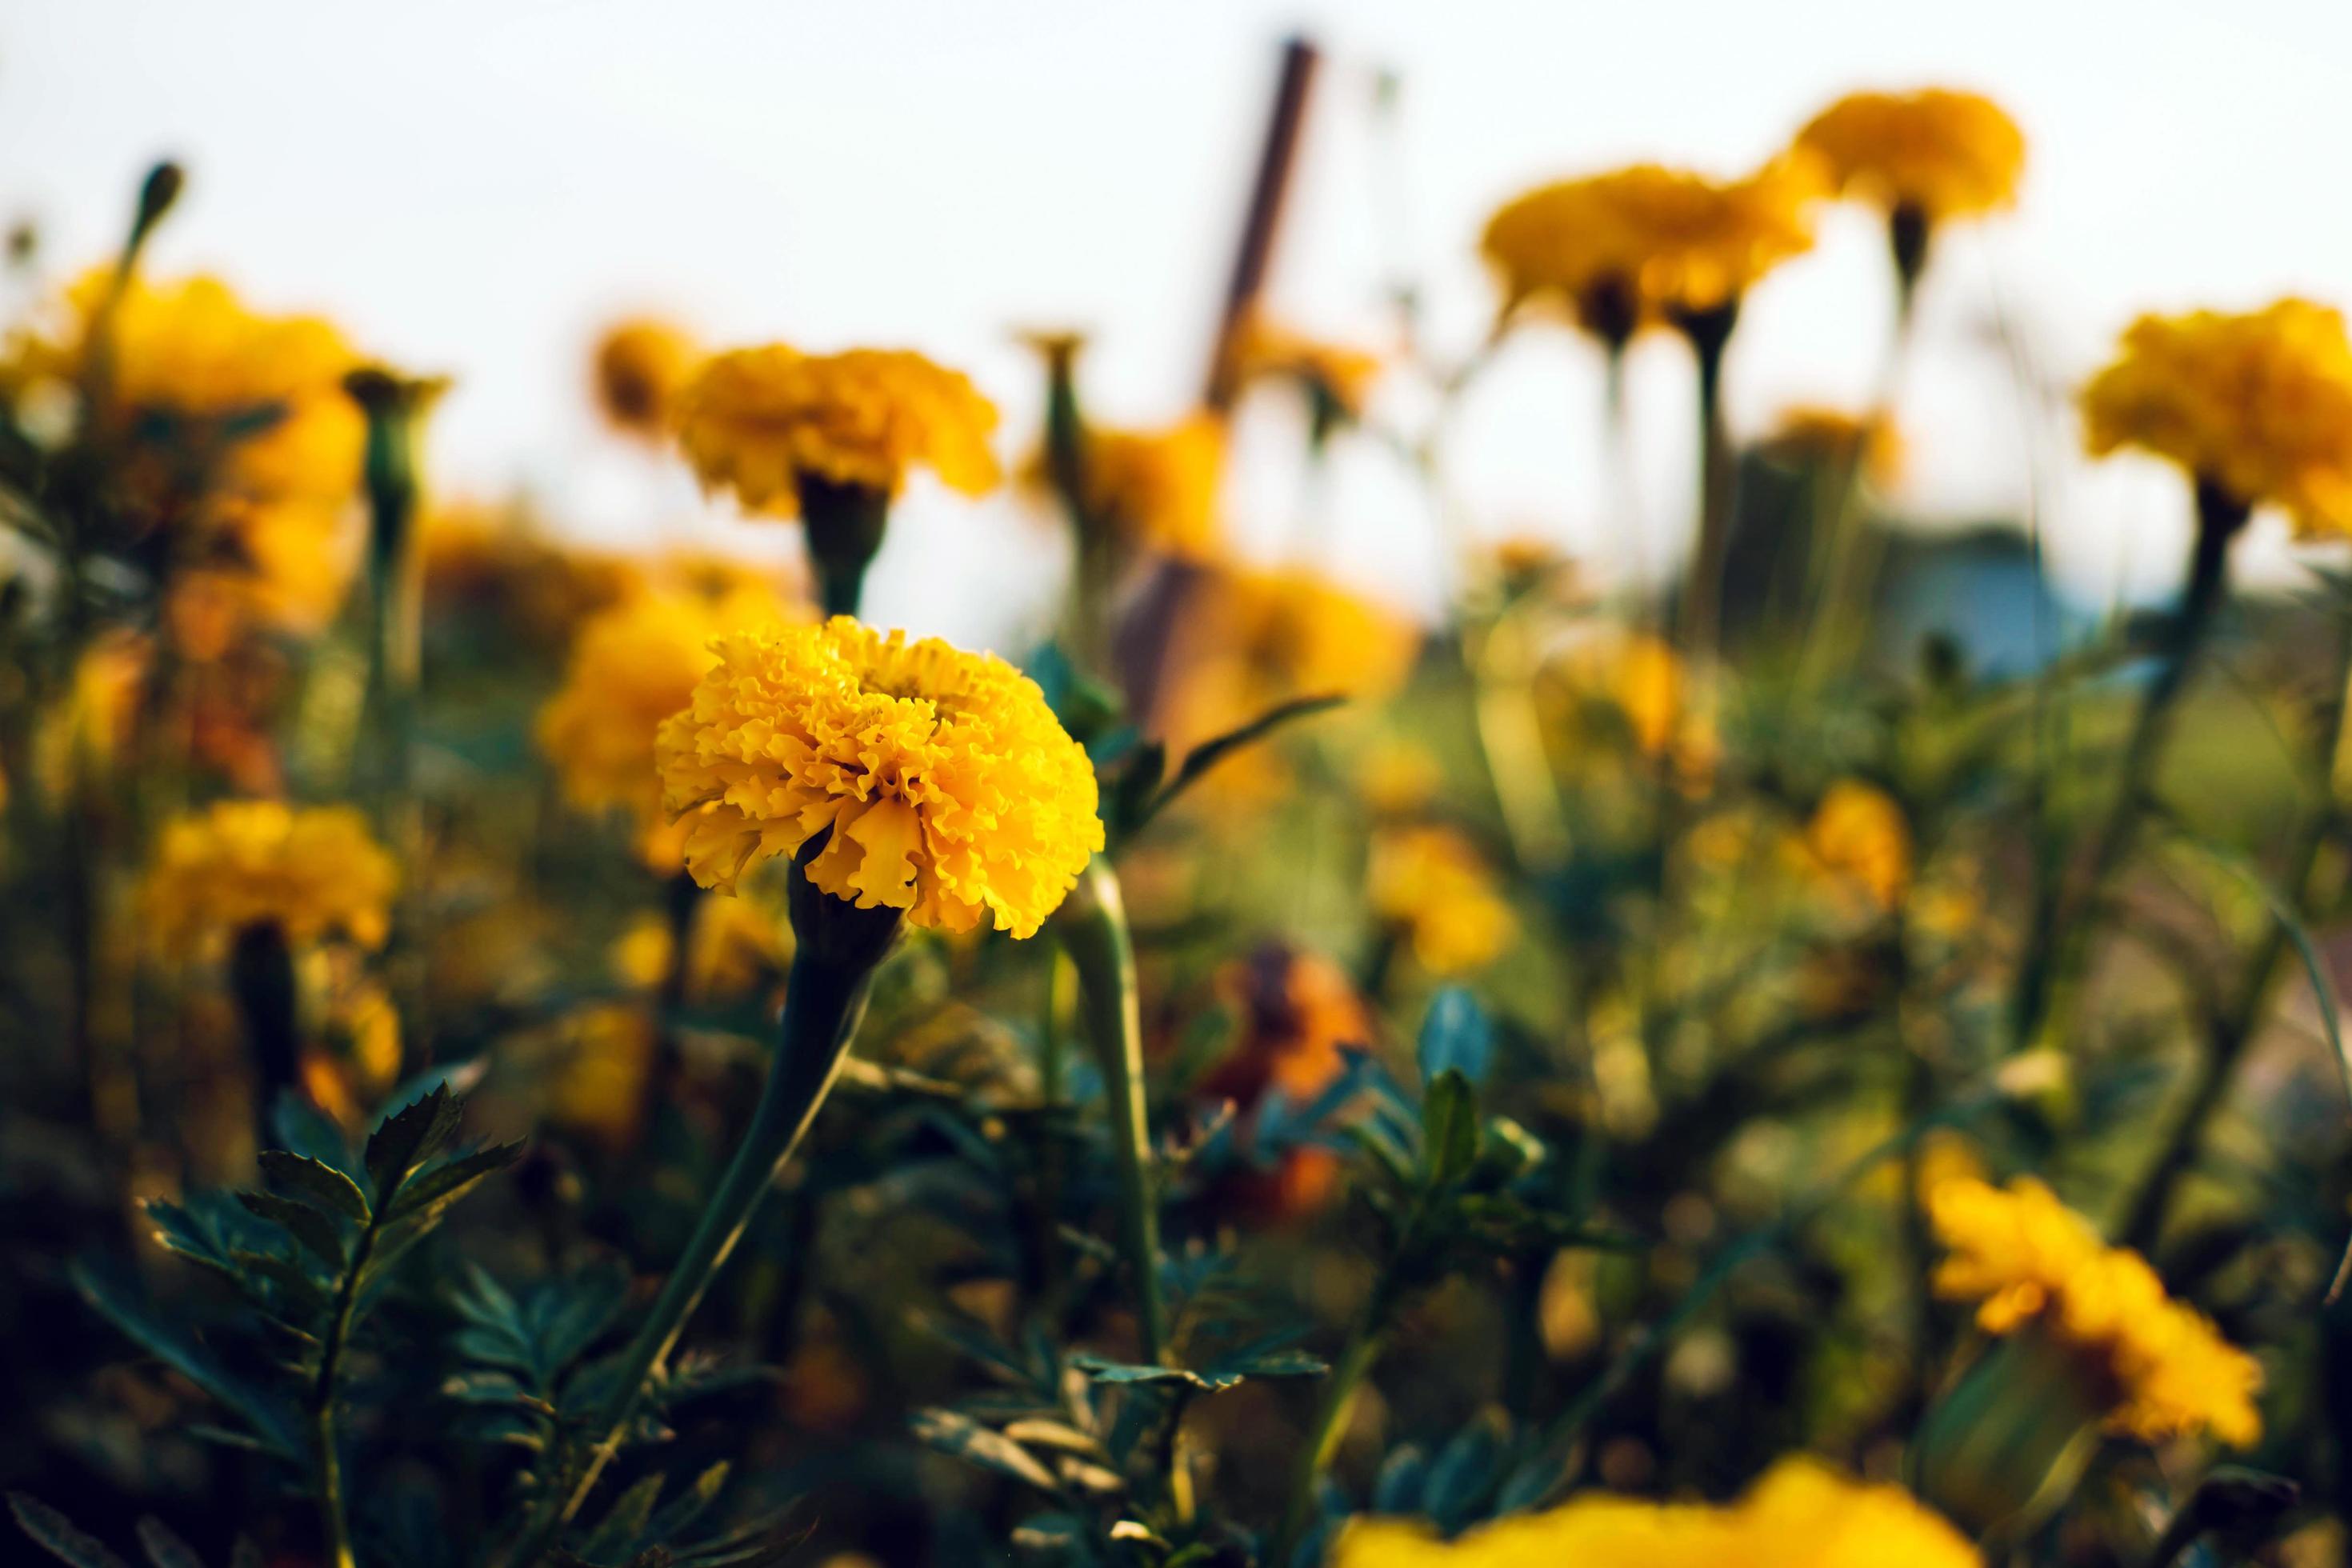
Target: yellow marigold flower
x=1154 y=490
x=1429 y=883
x=312 y=871
x=1859 y=839
x=731 y=945
x=195 y=371
x=762 y=422
x=1801 y=1514
x=632 y=667
x=949 y=790
x=1338 y=378
x=1644 y=680
x=2033 y=1263
x=494 y=564
x=1936 y=155
x=640 y=365
x=1637 y=246
x=1809 y=433
x=2258 y=405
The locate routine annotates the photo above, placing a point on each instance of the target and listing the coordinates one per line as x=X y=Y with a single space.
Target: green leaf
x=444 y=1184
x=689 y=1505
x=56 y=1533
x=622 y=1527
x=409 y=1137
x=165 y=1550
x=290 y=1277
x=1210 y=752
x=1449 y=1128
x=969 y=1440
x=317 y=1233
x=316 y=1183
x=305 y=1129
x=1456 y=1034
x=192 y=1361
x=184 y=1232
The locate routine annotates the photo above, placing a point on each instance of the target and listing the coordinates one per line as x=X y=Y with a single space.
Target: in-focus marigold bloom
x=632 y=667
x=1936 y=155
x=950 y=789
x=1150 y=489
x=1859 y=839
x=763 y=422
x=640 y=366
x=1807 y=434
x=1337 y=378
x=2258 y=405
x=1801 y=1514
x=2036 y=1265
x=195 y=371
x=312 y=871
x=1430 y=885
x=1638 y=246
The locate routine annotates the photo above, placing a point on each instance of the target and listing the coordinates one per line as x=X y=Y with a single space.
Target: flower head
x=1335 y=376
x=1429 y=883
x=1802 y=1514
x=1637 y=246
x=2035 y=1264
x=632 y=667
x=312 y=871
x=762 y=422
x=640 y=365
x=1806 y=434
x=947 y=787
x=232 y=426
x=1859 y=839
x=2257 y=404
x=1154 y=489
x=1936 y=153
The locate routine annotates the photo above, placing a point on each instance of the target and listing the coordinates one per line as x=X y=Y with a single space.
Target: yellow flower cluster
x=1428 y=883
x=2033 y=1262
x=1801 y=1514
x=1858 y=839
x=1631 y=248
x=1936 y=153
x=235 y=424
x=1340 y=376
x=949 y=788
x=1152 y=490
x=632 y=667
x=760 y=421
x=640 y=366
x=2258 y=404
x=1647 y=685
x=312 y=871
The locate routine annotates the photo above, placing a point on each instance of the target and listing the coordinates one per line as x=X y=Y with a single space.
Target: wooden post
x=1276 y=159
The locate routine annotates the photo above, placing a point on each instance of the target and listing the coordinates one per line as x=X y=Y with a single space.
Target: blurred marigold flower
x=632 y=667
x=1644 y=245
x=2036 y=1265
x=762 y=422
x=492 y=564
x=1859 y=839
x=949 y=790
x=1937 y=154
x=312 y=871
x=1296 y=1012
x=1430 y=885
x=732 y=945
x=1149 y=489
x=1801 y=1514
x=232 y=424
x=2257 y=406
x=1645 y=682
x=1807 y=435
x=640 y=366
x=1337 y=379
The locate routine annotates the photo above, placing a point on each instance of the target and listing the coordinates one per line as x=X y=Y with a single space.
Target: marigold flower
x=1337 y=379
x=1645 y=684
x=1154 y=490
x=1937 y=154
x=2035 y=1264
x=1809 y=433
x=1431 y=886
x=1801 y=1514
x=494 y=564
x=632 y=667
x=1638 y=246
x=640 y=365
x=1859 y=839
x=312 y=871
x=763 y=422
x=949 y=790
x=2257 y=406
x=234 y=427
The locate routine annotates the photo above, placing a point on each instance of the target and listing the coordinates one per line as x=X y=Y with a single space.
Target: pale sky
x=475 y=187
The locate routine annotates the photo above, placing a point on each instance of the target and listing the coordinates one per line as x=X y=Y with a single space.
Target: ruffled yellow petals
x=313 y=872
x=1936 y=153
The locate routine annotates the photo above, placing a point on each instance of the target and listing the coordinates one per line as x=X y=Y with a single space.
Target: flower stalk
x=1708 y=333
x=845 y=523
x=261 y=978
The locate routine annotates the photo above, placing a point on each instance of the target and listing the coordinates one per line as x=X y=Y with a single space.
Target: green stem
x=823 y=1003
x=1332 y=1415
x=1709 y=334
x=844 y=524
x=1092 y=926
x=333 y=1514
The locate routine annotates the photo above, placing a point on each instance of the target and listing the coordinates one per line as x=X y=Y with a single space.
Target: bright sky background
x=474 y=187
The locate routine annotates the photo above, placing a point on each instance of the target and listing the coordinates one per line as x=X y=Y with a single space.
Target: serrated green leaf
x=270 y=1422
x=56 y=1534
x=409 y=1137
x=317 y=1233
x=1449 y=1128
x=969 y=1440
x=620 y=1529
x=183 y=1233
x=443 y=1185
x=289 y=1277
x=316 y=1183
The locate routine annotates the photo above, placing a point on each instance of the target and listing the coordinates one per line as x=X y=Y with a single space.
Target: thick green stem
x=333 y=1515
x=844 y=524
x=1709 y=334
x=1092 y=926
x=823 y=1000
